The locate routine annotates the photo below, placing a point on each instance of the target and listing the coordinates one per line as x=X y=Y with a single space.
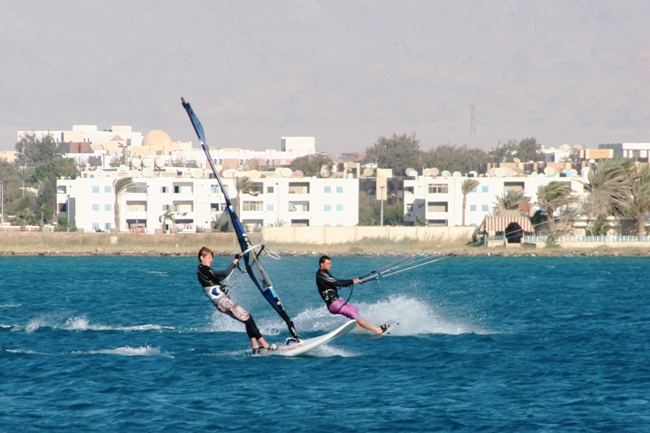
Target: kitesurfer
x=328 y=288
x=215 y=289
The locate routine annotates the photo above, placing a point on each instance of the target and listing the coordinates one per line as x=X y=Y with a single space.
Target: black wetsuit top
x=328 y=286
x=212 y=277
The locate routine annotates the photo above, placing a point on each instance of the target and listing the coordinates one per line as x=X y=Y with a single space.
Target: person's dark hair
x=322 y=260
x=204 y=251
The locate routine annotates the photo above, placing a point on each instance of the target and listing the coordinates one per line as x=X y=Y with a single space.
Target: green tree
x=467 y=187
x=168 y=215
x=608 y=185
x=397 y=152
x=529 y=150
x=221 y=222
x=56 y=167
x=504 y=152
x=454 y=158
x=513 y=200
x=242 y=185
x=366 y=210
x=556 y=199
x=119 y=187
x=44 y=210
x=32 y=150
x=311 y=165
x=637 y=203
x=25 y=217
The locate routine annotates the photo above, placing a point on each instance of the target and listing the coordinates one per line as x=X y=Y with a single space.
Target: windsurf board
x=303 y=346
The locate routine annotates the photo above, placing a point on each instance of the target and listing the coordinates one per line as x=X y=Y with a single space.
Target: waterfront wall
x=342 y=235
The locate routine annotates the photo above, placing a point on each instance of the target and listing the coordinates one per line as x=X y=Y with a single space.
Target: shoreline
x=223 y=244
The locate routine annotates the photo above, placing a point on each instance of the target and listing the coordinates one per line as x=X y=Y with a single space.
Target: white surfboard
x=295 y=349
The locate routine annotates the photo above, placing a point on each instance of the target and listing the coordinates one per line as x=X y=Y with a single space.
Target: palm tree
x=608 y=186
x=119 y=187
x=221 y=222
x=242 y=184
x=556 y=199
x=467 y=187
x=25 y=216
x=45 y=209
x=513 y=200
x=638 y=200
x=168 y=215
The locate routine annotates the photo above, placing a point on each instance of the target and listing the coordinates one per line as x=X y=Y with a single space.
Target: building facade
x=439 y=200
x=196 y=202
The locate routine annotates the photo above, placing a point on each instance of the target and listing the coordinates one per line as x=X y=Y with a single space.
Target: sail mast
x=250 y=253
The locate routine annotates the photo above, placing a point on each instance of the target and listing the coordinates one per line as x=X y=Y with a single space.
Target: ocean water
x=529 y=344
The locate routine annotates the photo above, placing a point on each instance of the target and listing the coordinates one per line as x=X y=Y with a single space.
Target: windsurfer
x=328 y=288
x=215 y=289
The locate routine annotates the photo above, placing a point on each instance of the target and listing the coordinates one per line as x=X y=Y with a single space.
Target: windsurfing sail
x=402 y=265
x=250 y=253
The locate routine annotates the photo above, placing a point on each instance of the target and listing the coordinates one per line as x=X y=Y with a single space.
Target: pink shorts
x=341 y=307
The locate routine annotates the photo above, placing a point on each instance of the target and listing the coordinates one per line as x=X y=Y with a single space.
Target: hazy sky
x=346 y=72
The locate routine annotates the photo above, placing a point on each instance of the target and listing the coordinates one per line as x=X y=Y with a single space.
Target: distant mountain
x=345 y=72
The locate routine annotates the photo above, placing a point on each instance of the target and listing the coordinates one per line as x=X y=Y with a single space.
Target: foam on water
x=130 y=351
x=81 y=323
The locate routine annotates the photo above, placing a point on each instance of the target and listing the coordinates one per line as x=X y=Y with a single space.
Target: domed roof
x=156 y=138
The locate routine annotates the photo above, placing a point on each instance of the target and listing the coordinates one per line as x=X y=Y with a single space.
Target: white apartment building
x=439 y=200
x=196 y=202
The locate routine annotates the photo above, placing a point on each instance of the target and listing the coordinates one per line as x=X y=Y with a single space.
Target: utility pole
x=382 y=205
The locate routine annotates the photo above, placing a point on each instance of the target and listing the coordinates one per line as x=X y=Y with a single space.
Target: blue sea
x=484 y=344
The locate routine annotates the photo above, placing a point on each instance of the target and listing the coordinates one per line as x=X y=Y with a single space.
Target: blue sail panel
x=253 y=265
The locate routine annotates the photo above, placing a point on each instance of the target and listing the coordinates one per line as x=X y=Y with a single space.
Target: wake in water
x=128 y=351
x=79 y=324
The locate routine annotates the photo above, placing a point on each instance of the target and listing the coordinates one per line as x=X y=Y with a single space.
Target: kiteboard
x=303 y=346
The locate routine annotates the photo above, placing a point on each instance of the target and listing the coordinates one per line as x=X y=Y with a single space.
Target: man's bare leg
x=365 y=324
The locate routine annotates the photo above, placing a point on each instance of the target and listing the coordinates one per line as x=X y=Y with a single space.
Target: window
x=163 y=189
x=339 y=208
x=95 y=189
x=253 y=206
x=107 y=226
x=472 y=208
x=269 y=208
x=328 y=208
x=107 y=207
x=270 y=190
x=214 y=189
x=107 y=189
x=328 y=189
x=95 y=208
x=437 y=207
x=485 y=189
x=217 y=207
x=61 y=189
x=474 y=189
x=485 y=208
x=95 y=226
x=438 y=188
x=339 y=189
x=177 y=189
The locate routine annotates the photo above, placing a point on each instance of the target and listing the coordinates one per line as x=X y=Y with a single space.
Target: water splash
x=415 y=317
x=131 y=351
